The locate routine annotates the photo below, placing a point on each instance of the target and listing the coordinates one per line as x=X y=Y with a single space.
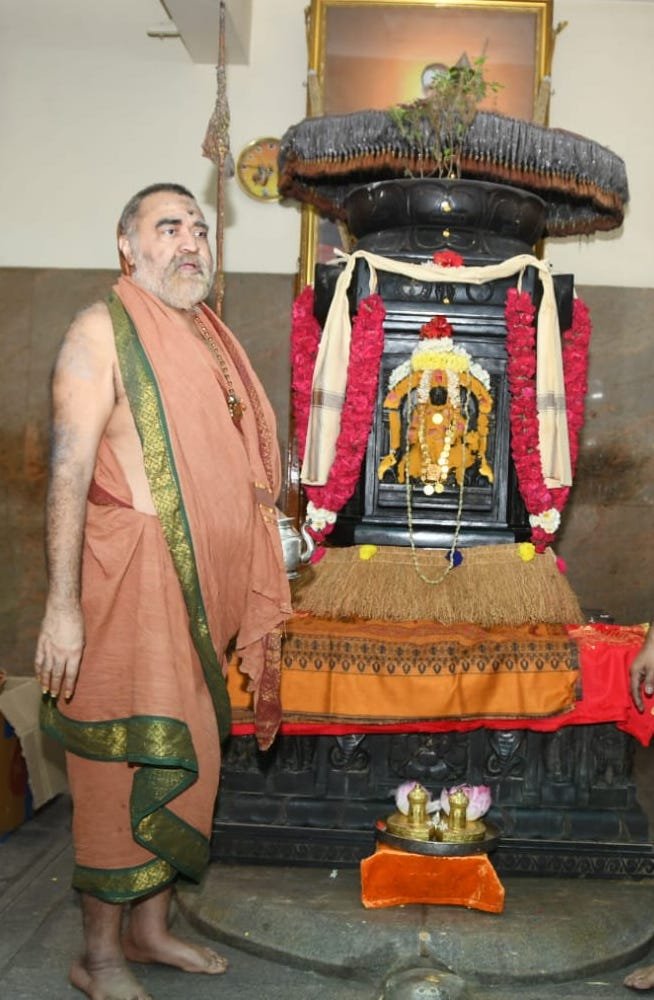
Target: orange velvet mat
x=391 y=877
x=361 y=670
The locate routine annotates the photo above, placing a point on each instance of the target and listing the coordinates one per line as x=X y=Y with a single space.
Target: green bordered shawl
x=161 y=746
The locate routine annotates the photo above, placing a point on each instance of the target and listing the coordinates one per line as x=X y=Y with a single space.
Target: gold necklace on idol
x=436 y=479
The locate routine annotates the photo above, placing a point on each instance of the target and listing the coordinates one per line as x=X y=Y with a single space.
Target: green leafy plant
x=435 y=125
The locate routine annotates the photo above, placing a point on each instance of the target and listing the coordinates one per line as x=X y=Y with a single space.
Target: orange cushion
x=391 y=877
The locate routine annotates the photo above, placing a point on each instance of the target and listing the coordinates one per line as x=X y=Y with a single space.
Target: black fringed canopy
x=583 y=184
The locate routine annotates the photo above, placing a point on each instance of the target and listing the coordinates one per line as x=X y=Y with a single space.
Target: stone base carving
x=565 y=801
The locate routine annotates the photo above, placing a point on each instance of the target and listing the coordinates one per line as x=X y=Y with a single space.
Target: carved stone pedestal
x=565 y=801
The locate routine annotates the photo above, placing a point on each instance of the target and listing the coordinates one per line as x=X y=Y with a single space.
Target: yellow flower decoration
x=435 y=360
x=526 y=551
x=366 y=552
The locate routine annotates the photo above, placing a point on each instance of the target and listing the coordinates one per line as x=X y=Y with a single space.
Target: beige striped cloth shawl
x=330 y=373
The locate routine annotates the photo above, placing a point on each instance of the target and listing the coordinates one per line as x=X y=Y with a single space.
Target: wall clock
x=256 y=169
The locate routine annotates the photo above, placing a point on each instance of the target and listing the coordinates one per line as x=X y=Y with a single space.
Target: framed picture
x=377 y=53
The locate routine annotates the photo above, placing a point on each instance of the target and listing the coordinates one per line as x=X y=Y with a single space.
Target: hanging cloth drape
x=330 y=374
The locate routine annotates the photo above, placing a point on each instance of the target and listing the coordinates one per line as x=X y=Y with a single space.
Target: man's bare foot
x=641 y=979
x=107 y=982
x=170 y=950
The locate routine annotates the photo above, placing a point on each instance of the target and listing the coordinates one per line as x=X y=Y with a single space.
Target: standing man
x=163 y=547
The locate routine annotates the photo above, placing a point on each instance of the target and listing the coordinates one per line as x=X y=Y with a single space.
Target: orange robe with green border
x=140 y=730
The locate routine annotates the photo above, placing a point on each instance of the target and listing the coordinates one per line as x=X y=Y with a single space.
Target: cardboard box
x=32 y=765
x=15 y=794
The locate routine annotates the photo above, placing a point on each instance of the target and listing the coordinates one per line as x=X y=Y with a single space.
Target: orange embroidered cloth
x=361 y=670
x=391 y=877
x=451 y=678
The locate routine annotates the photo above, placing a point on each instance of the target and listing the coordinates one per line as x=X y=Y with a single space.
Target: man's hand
x=642 y=673
x=59 y=651
x=83 y=398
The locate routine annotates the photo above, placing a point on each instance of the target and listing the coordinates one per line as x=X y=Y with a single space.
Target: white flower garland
x=444 y=354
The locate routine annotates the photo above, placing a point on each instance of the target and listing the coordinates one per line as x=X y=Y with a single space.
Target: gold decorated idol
x=438 y=404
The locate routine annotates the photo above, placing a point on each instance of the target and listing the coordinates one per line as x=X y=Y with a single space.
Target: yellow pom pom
x=526 y=551
x=367 y=552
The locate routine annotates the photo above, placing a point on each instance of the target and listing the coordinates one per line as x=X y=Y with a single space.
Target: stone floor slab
x=550 y=931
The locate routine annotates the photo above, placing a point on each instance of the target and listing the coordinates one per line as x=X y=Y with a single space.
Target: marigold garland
x=366 y=348
x=544 y=504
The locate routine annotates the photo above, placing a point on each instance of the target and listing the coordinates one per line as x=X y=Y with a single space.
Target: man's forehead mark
x=192 y=210
x=168 y=221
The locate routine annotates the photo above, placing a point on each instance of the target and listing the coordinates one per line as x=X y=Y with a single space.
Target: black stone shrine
x=565 y=801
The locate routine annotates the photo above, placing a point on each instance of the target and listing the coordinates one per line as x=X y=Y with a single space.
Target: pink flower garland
x=366 y=348
x=542 y=503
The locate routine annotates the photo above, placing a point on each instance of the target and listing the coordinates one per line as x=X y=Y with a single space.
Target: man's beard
x=176 y=288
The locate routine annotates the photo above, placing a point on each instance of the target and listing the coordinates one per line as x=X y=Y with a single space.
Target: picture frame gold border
x=316 y=24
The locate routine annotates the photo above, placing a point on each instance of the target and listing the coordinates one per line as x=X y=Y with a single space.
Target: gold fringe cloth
x=492 y=586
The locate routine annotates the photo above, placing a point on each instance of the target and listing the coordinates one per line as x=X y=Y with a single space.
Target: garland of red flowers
x=305 y=340
x=367 y=343
x=544 y=504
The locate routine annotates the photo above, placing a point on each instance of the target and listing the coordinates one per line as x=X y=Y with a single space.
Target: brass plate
x=439 y=848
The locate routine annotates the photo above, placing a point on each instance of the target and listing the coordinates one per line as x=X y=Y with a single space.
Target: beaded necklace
x=235 y=405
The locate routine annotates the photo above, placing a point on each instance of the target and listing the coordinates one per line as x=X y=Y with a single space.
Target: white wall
x=91 y=109
x=603 y=78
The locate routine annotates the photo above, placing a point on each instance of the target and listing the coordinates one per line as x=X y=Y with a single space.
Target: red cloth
x=606 y=654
